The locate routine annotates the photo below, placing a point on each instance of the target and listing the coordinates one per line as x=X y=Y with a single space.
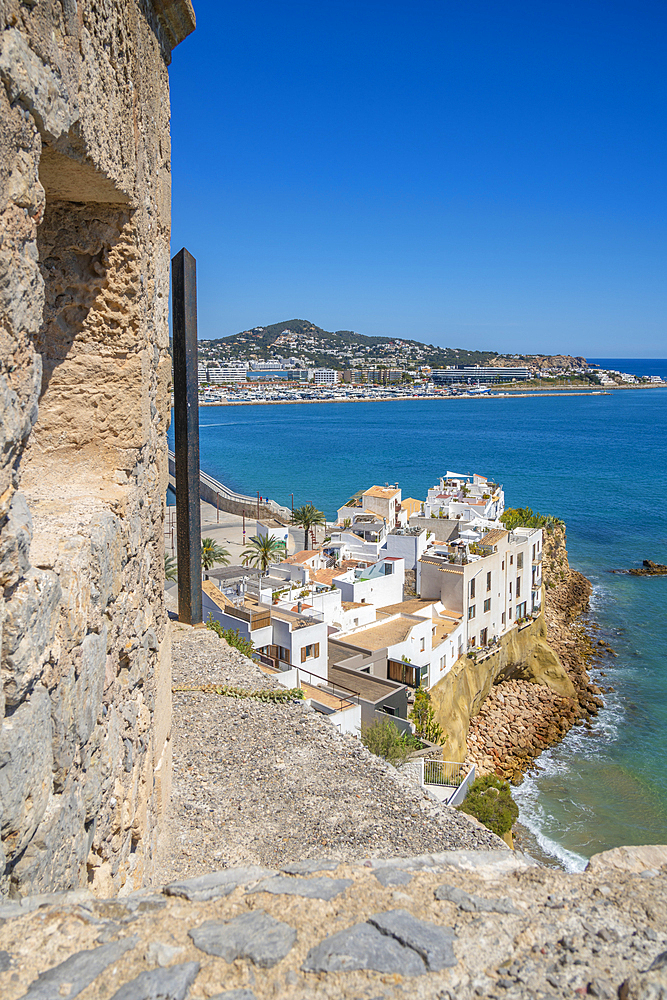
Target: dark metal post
x=186 y=433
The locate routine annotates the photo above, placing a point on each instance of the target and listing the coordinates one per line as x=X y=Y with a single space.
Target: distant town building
x=478 y=373
x=325 y=376
x=219 y=374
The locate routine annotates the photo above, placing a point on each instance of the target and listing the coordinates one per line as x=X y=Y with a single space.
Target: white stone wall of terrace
x=84 y=369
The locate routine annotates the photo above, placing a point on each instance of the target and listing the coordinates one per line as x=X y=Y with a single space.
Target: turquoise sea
x=599 y=463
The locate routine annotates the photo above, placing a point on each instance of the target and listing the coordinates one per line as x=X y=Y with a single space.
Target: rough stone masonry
x=85 y=708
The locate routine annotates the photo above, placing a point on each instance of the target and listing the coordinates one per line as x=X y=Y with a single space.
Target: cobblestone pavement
x=461 y=925
x=261 y=783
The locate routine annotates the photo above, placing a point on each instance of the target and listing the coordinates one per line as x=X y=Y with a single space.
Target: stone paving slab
x=310 y=888
x=600 y=934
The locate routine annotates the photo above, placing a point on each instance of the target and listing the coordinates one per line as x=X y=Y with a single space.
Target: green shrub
x=489 y=800
x=232 y=636
x=523 y=517
x=384 y=739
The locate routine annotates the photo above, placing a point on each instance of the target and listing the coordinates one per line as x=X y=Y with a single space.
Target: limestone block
x=15 y=542
x=30 y=622
x=629 y=859
x=54 y=859
x=77 y=700
x=25 y=769
x=106 y=559
x=35 y=86
x=21 y=289
x=74 y=572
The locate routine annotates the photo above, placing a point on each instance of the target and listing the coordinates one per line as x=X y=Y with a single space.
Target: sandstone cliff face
x=84 y=280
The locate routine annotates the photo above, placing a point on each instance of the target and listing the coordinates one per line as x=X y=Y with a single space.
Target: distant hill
x=339 y=348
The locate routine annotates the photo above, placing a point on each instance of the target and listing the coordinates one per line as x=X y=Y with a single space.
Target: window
x=472 y=589
x=471 y=612
x=422 y=644
x=510 y=590
x=502 y=565
x=533 y=553
x=487 y=604
x=472 y=641
x=511 y=560
x=483 y=637
x=442 y=662
x=488 y=581
x=502 y=618
x=509 y=613
x=310 y=652
x=518 y=586
x=519 y=560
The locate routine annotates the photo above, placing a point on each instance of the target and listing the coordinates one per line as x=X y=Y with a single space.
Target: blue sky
x=468 y=173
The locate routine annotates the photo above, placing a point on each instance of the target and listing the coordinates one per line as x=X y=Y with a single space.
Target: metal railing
x=443 y=772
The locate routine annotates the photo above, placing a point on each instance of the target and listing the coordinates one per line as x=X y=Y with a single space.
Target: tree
x=424 y=719
x=261 y=551
x=170 y=568
x=212 y=553
x=307 y=517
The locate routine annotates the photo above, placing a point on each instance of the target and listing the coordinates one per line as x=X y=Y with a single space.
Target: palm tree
x=307 y=517
x=212 y=553
x=170 y=568
x=261 y=551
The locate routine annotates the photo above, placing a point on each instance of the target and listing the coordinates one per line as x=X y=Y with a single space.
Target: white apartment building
x=202 y=373
x=325 y=376
x=493 y=579
x=479 y=373
x=219 y=374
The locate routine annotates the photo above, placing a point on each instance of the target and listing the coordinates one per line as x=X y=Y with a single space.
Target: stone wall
x=84 y=367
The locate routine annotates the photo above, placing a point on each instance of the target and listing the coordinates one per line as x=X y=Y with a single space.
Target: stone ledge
x=461 y=925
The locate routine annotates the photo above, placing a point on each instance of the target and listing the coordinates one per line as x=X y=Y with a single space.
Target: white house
x=407 y=543
x=379 y=583
x=276 y=530
x=412 y=642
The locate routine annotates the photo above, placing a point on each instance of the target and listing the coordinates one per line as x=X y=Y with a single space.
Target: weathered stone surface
x=72 y=976
x=217 y=884
x=256 y=936
x=646 y=986
x=241 y=994
x=28 y=631
x=310 y=888
x=5 y=961
x=160 y=984
x=159 y=953
x=34 y=85
x=393 y=876
x=363 y=947
x=15 y=542
x=630 y=859
x=310 y=866
x=474 y=904
x=25 y=770
x=432 y=943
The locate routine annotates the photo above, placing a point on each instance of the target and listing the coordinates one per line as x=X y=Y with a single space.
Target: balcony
x=538 y=558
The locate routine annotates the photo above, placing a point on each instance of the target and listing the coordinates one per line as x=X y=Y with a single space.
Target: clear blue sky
x=465 y=172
